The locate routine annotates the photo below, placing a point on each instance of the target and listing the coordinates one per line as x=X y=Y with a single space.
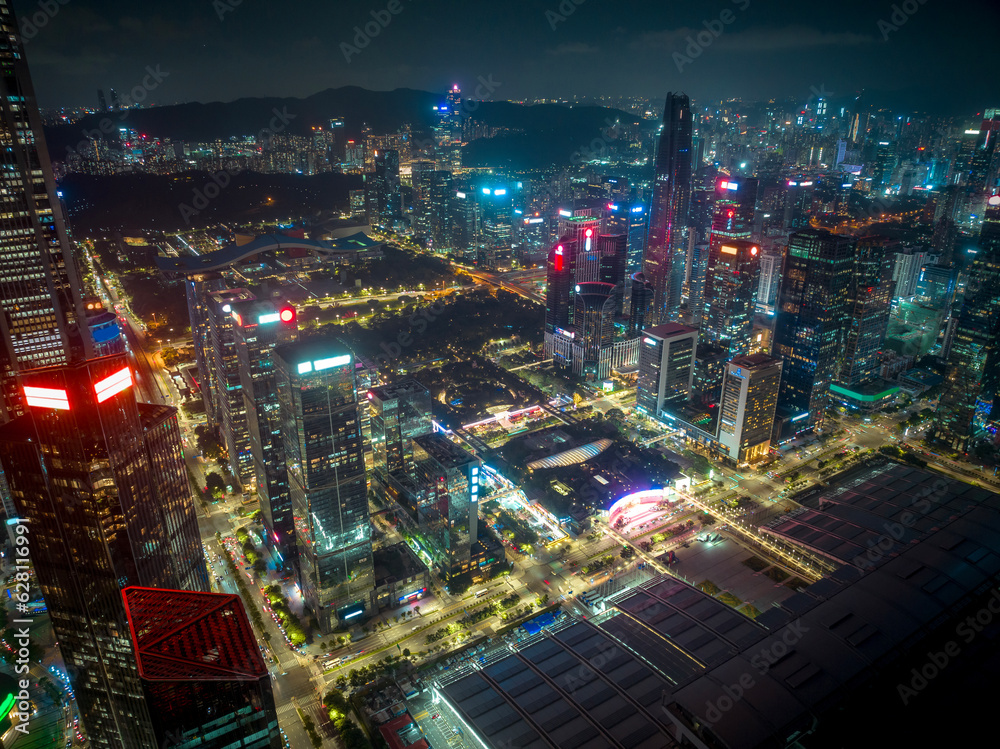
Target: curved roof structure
x=234 y=253
x=572 y=457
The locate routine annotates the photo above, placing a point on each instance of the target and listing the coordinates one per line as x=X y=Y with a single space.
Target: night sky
x=944 y=57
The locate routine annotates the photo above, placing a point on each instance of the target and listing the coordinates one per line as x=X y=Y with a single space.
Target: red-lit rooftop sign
x=114 y=384
x=46 y=398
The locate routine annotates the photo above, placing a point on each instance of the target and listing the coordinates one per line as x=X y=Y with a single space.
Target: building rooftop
x=444 y=451
x=669 y=330
x=752 y=361
x=398 y=389
x=313 y=350
x=396 y=562
x=182 y=636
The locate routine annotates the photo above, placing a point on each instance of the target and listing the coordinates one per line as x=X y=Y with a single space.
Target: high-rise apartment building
x=321 y=429
x=667 y=246
x=40 y=299
x=103 y=483
x=746 y=412
x=260 y=326
x=203 y=679
x=666 y=366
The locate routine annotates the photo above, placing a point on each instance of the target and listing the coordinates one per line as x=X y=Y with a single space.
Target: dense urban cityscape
x=492 y=415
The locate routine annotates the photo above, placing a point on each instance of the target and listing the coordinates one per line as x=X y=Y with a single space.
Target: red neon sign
x=287 y=314
x=120 y=380
x=559 y=259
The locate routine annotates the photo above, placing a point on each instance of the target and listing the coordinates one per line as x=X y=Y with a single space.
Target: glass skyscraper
x=321 y=429
x=666 y=249
x=103 y=481
x=40 y=296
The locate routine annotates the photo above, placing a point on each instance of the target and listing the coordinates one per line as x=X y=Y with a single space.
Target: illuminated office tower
x=731 y=284
x=884 y=165
x=575 y=226
x=448 y=516
x=496 y=219
x=869 y=303
x=321 y=429
x=230 y=415
x=666 y=367
x=39 y=285
x=811 y=322
x=560 y=286
x=594 y=322
x=667 y=246
x=746 y=412
x=260 y=326
x=967 y=406
x=629 y=219
x=203 y=678
x=103 y=481
x=399 y=413
x=770 y=280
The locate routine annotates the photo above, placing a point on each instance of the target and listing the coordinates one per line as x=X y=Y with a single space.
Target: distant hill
x=384 y=111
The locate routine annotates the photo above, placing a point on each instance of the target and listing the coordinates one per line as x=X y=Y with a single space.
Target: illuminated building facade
x=202 y=674
x=39 y=285
x=399 y=413
x=230 y=414
x=321 y=430
x=967 y=404
x=666 y=366
x=449 y=514
x=811 y=324
x=746 y=412
x=731 y=284
x=259 y=327
x=103 y=480
x=667 y=246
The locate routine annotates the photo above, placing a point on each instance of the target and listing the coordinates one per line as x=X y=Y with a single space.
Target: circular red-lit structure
x=753 y=250
x=589 y=232
x=287 y=314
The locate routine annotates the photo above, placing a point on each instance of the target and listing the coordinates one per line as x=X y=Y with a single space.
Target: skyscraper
x=973 y=379
x=746 y=413
x=40 y=296
x=666 y=366
x=560 y=286
x=731 y=284
x=385 y=201
x=259 y=327
x=449 y=515
x=230 y=415
x=869 y=299
x=667 y=247
x=103 y=481
x=203 y=678
x=594 y=322
x=641 y=298
x=400 y=412
x=811 y=320
x=321 y=429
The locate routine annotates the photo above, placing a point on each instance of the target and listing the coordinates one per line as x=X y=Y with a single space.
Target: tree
x=627 y=552
x=215 y=484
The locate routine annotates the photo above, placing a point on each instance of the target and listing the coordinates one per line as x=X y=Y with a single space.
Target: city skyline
x=228 y=50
